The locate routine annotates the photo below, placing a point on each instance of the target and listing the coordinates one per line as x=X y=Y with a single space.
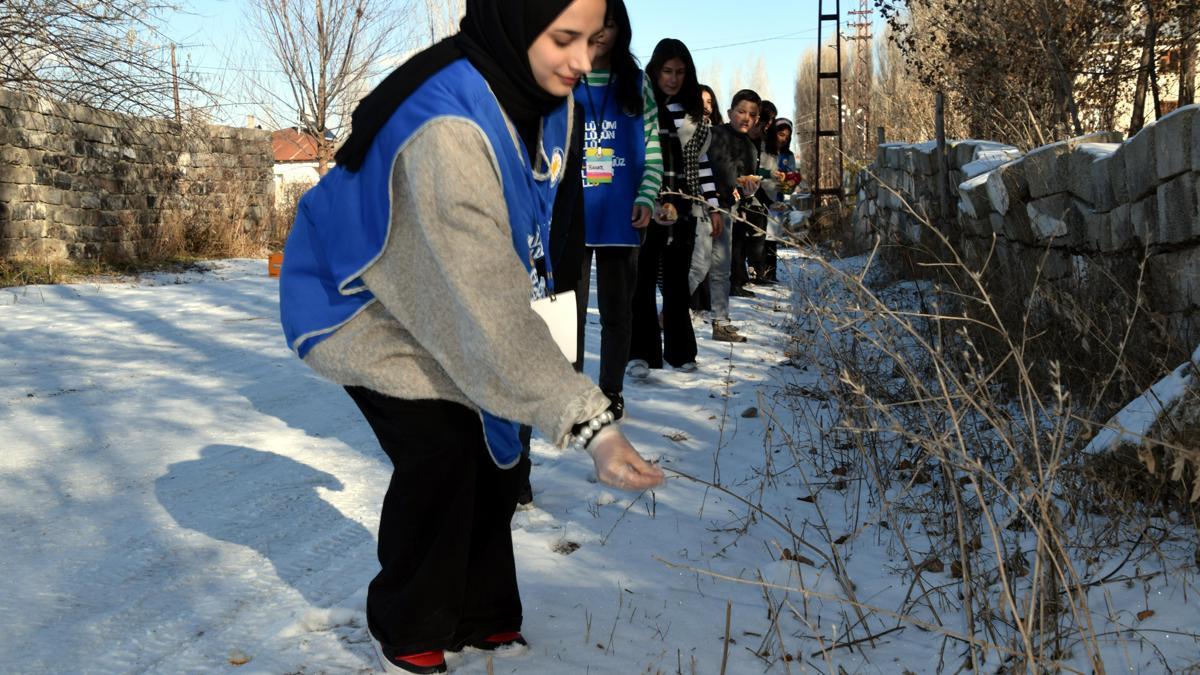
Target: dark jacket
x=732 y=155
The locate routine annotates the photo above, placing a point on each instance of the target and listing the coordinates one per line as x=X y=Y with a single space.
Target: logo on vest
x=557 y=167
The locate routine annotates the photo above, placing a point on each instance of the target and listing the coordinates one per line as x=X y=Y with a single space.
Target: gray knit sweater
x=452 y=319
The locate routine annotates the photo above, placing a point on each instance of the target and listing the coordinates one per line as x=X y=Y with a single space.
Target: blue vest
x=787 y=161
x=342 y=223
x=608 y=206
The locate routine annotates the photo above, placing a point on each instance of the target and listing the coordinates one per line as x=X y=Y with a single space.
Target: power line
x=785 y=36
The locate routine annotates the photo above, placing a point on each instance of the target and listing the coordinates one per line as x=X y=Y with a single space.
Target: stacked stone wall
x=79 y=183
x=1063 y=217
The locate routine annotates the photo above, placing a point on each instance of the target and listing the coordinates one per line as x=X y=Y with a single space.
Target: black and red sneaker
x=419 y=662
x=510 y=642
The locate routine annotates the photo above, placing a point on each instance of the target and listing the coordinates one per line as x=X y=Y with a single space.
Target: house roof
x=293 y=145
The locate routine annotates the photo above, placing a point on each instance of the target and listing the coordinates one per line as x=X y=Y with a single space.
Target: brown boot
x=725 y=332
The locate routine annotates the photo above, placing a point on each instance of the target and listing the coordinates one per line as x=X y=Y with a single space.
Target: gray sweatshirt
x=452 y=319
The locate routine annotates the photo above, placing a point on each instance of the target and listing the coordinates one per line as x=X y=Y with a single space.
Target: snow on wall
x=1084 y=206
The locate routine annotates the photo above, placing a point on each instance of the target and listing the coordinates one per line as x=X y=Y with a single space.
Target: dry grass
x=960 y=423
x=285 y=213
x=950 y=412
x=29 y=272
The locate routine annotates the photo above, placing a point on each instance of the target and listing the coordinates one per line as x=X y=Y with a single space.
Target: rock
x=973 y=197
x=1120 y=236
x=1103 y=198
x=1173 y=142
x=1143 y=215
x=1006 y=185
x=1141 y=177
x=1174 y=280
x=894 y=157
x=921 y=160
x=1055 y=219
x=750 y=412
x=1082 y=178
x=1097 y=227
x=1177 y=212
x=1048 y=169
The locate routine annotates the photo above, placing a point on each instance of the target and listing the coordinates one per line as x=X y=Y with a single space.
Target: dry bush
x=29 y=271
x=968 y=441
x=287 y=202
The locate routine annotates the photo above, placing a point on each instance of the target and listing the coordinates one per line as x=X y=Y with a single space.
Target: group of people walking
x=534 y=132
x=658 y=141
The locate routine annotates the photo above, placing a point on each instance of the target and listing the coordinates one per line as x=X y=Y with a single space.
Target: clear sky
x=727 y=38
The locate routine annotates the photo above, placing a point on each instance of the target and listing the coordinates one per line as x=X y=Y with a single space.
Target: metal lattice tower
x=823 y=188
x=863 y=72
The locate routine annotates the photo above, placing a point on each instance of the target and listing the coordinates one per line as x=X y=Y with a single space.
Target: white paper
x=559 y=313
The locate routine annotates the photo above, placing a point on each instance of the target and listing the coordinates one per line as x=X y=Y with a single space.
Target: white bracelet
x=589 y=430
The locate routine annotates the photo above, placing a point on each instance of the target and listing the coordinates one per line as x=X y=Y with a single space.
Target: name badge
x=598 y=166
x=559 y=313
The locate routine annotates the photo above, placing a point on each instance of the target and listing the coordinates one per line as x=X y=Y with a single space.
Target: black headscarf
x=495 y=35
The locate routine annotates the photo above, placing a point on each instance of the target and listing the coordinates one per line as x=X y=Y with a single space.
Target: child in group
x=698 y=277
x=688 y=194
x=778 y=146
x=711 y=109
x=735 y=165
x=401 y=284
x=759 y=253
x=622 y=179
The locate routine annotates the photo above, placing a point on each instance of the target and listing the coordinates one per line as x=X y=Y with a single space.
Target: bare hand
x=619 y=465
x=718 y=224
x=641 y=216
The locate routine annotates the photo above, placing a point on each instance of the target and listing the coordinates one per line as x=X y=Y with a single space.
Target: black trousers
x=675 y=341
x=448 y=574
x=759 y=253
x=770 y=262
x=702 y=298
x=616 y=278
x=738 y=275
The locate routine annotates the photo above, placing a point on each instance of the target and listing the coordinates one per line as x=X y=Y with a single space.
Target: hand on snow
x=619 y=465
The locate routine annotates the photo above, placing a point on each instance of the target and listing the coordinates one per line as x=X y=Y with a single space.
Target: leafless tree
x=443 y=17
x=104 y=53
x=1054 y=67
x=329 y=52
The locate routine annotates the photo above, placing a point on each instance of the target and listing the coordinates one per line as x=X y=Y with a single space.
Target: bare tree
x=103 y=53
x=759 y=81
x=328 y=51
x=443 y=17
x=1030 y=71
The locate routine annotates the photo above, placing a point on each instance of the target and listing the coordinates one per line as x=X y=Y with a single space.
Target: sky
x=724 y=38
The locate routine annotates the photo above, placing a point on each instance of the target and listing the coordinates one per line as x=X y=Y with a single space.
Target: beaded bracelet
x=588 y=430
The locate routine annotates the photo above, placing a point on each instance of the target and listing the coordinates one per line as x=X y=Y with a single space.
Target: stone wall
x=78 y=183
x=1065 y=216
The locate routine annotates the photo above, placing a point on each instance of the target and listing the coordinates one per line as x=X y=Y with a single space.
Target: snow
x=1134 y=421
x=1097 y=150
x=964 y=204
x=178 y=493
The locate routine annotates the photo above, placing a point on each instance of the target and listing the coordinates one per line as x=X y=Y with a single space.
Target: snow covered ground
x=178 y=493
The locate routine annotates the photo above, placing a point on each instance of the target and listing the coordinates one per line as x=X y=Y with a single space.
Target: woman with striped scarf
x=688 y=195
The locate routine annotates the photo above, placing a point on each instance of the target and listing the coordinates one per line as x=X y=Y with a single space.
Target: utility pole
x=175 y=83
x=864 y=73
x=831 y=187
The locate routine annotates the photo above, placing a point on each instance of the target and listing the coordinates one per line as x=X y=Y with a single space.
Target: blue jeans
x=712 y=257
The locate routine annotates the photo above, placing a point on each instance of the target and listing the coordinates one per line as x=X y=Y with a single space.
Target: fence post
x=939 y=117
